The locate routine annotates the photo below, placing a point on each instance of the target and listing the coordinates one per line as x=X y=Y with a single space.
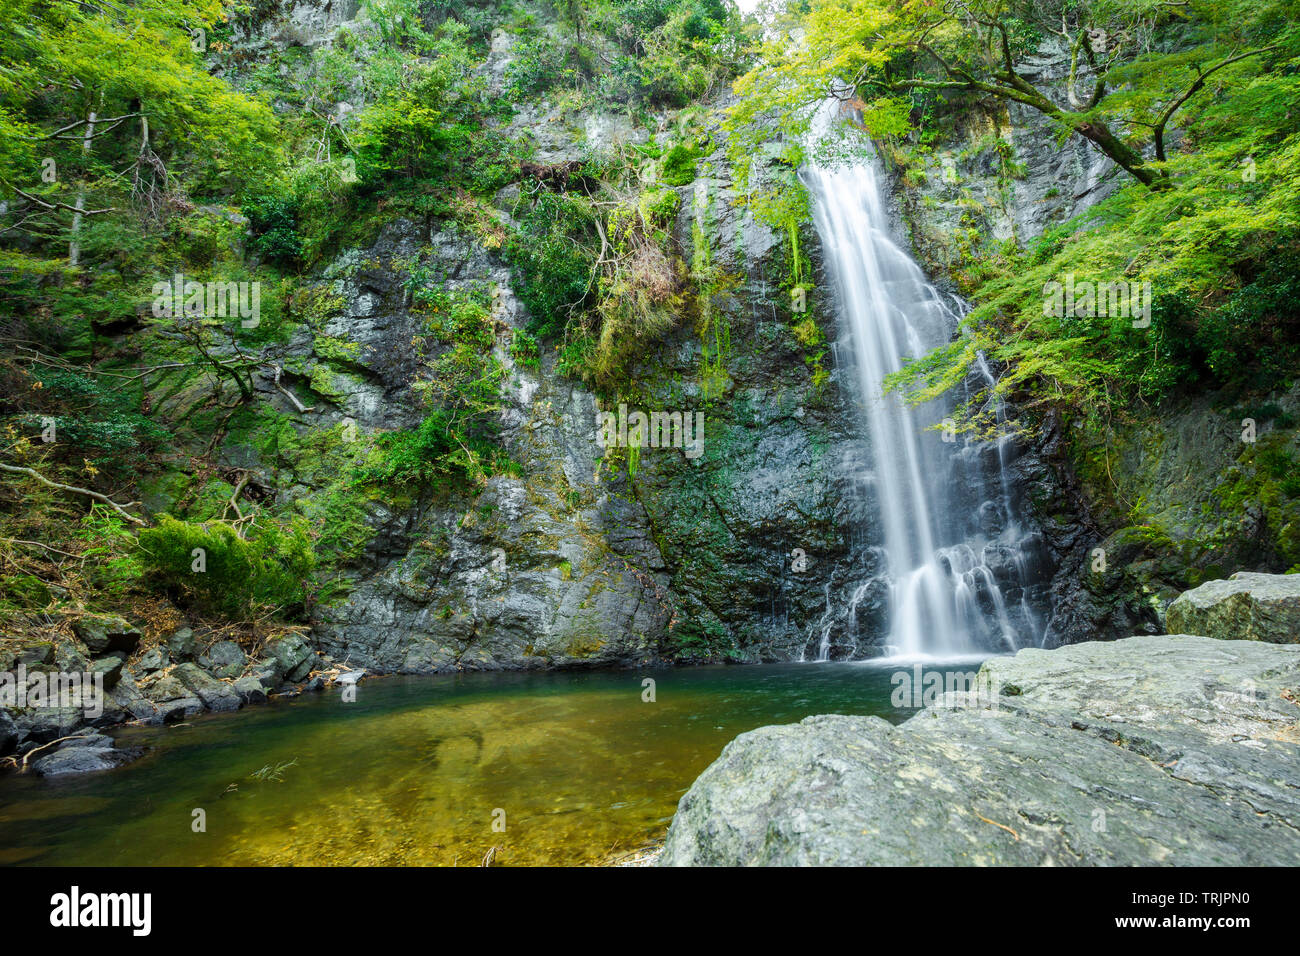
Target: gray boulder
x=1245 y=607
x=34 y=655
x=110 y=668
x=250 y=690
x=43 y=724
x=8 y=734
x=82 y=756
x=154 y=659
x=171 y=711
x=1154 y=750
x=104 y=633
x=166 y=688
x=181 y=644
x=293 y=656
x=215 y=694
x=224 y=659
x=267 y=673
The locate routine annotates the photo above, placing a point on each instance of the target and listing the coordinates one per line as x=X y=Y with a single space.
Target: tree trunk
x=1124 y=156
x=74 y=247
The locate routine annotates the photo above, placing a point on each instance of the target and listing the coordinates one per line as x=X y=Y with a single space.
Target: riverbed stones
x=1154 y=750
x=1246 y=607
x=44 y=724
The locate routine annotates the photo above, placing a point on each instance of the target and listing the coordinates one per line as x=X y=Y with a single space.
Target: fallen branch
x=234 y=499
x=37 y=544
x=1002 y=826
x=302 y=409
x=32 y=473
x=58 y=205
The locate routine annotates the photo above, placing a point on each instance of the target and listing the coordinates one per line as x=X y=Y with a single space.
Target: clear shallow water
x=412 y=771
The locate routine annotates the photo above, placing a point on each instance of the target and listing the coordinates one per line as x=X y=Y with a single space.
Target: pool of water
x=425 y=770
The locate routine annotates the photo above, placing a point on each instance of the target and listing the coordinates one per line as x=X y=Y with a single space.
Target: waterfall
x=946 y=509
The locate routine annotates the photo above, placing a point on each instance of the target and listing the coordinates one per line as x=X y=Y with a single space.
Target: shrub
x=1255 y=335
x=210 y=567
x=274 y=220
x=436 y=454
x=680 y=163
x=552 y=257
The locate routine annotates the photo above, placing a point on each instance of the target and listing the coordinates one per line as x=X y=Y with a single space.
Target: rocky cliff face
x=751 y=551
x=557 y=567
x=567 y=563
x=758 y=548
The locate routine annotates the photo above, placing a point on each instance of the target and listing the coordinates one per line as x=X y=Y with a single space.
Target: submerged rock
x=1245 y=607
x=85 y=755
x=1170 y=750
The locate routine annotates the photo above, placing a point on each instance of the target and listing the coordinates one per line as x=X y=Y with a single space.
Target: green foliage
x=523 y=348
x=427 y=126
x=92 y=417
x=436 y=454
x=543 y=63
x=114 y=561
x=274 y=220
x=632 y=53
x=552 y=257
x=1123 y=96
x=1219 y=253
x=1254 y=336
x=454 y=447
x=267 y=573
x=641 y=285
x=679 y=164
x=712 y=323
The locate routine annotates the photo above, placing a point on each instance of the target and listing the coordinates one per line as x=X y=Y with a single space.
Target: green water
x=417 y=770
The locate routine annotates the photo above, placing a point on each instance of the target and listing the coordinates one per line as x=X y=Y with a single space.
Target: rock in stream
x=1154 y=750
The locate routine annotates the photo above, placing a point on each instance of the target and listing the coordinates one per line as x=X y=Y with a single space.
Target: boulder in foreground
x=1155 y=750
x=1244 y=607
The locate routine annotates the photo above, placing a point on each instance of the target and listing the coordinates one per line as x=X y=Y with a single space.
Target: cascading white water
x=944 y=600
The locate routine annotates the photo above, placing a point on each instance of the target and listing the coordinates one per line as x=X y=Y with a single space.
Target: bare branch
x=32 y=473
